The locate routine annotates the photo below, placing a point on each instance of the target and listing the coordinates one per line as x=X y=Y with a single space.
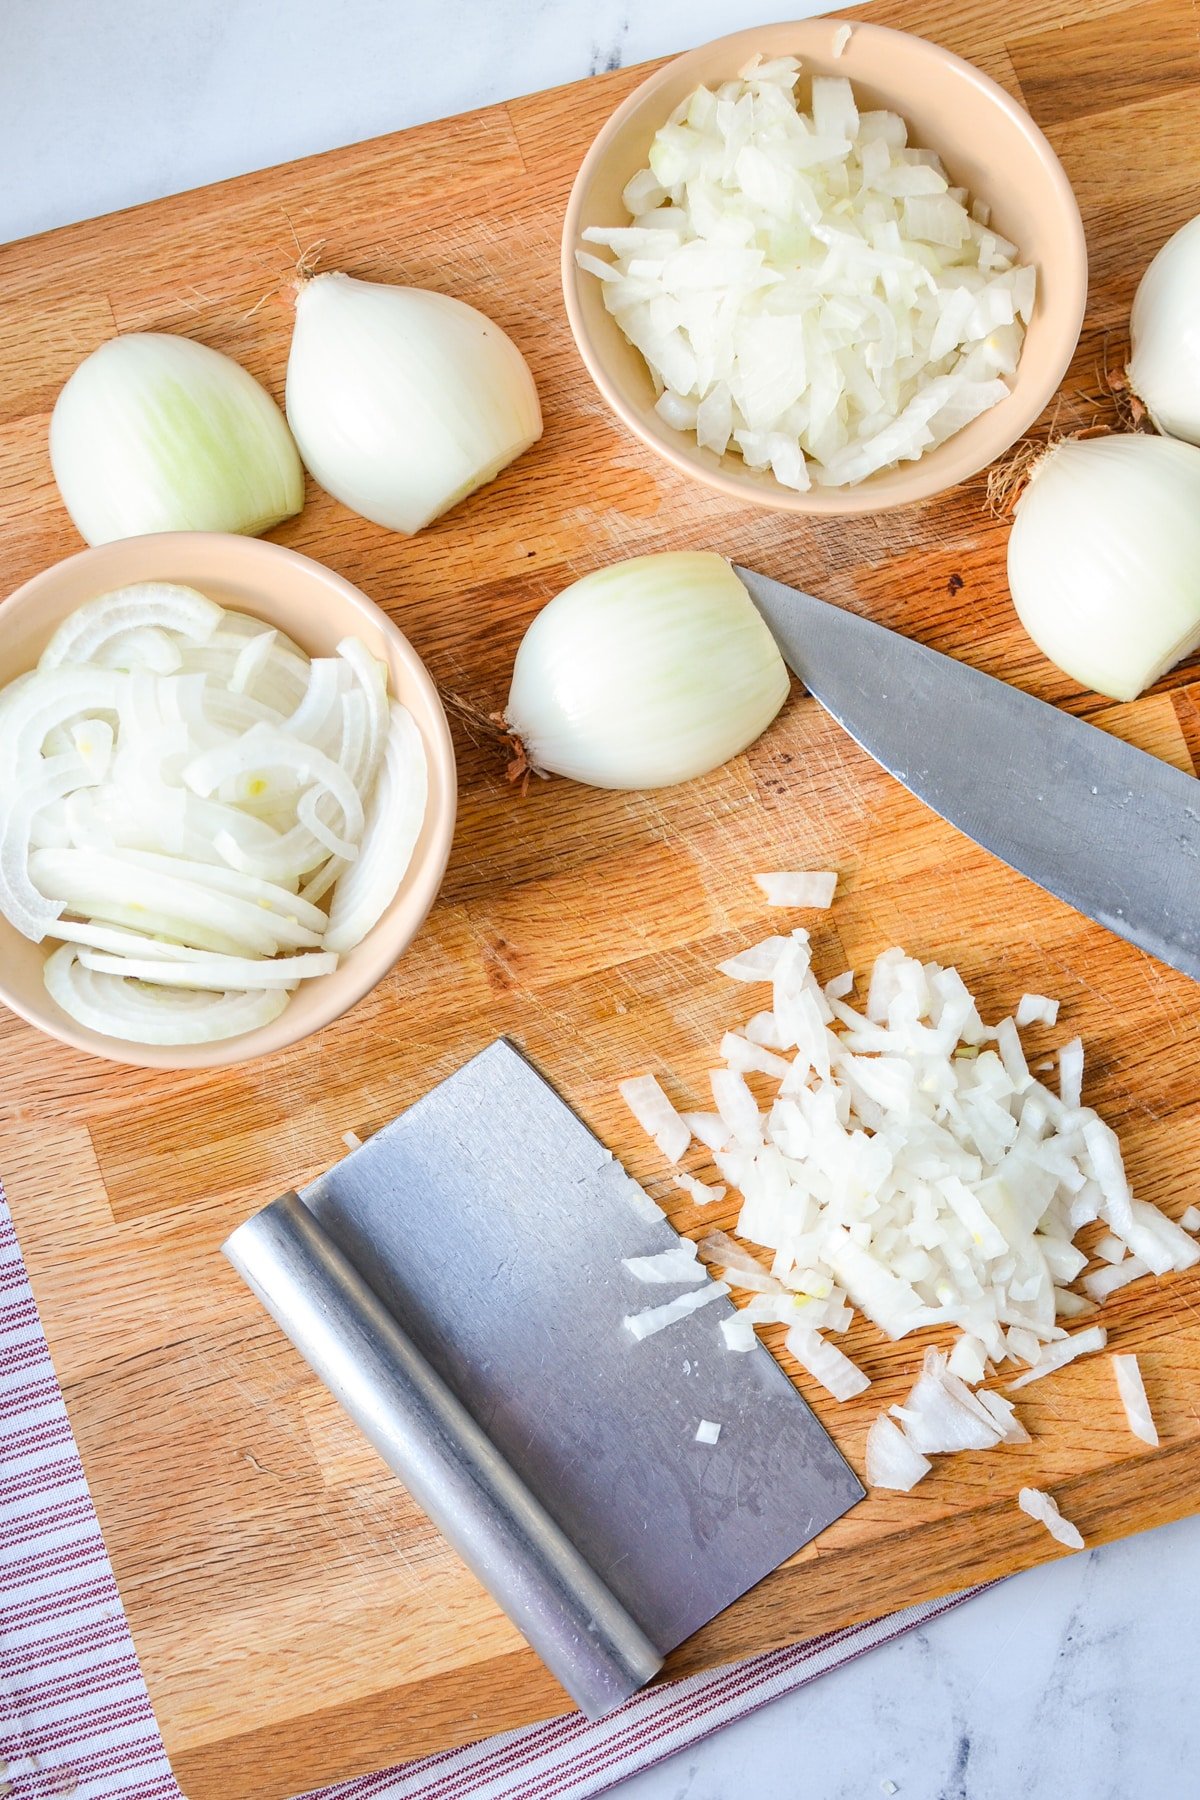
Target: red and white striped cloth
x=77 y=1719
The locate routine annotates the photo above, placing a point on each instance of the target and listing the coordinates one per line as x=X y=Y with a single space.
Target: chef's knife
x=1103 y=826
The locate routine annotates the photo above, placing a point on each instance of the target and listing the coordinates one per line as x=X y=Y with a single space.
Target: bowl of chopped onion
x=226 y=804
x=825 y=267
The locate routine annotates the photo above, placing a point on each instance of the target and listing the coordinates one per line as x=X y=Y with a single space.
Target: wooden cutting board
x=296 y=1617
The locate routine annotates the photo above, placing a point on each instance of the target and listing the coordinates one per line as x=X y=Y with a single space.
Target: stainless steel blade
x=458 y=1282
x=1100 y=824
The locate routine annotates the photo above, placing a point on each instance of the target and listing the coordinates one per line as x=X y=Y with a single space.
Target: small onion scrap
x=1044 y=1508
x=181 y=788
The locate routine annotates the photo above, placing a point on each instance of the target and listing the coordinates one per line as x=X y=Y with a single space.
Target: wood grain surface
x=297 y=1618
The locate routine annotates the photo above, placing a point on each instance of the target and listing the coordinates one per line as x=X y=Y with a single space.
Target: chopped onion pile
x=199 y=813
x=908 y=1163
x=808 y=290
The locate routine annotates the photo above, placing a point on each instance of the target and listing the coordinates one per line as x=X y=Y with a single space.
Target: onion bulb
x=403 y=402
x=1164 y=330
x=157 y=433
x=1104 y=559
x=645 y=673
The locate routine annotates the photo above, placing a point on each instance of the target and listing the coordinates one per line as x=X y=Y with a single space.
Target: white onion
x=1132 y=1390
x=1164 y=368
x=708 y=1431
x=1189 y=1219
x=157 y=433
x=1103 y=558
x=807 y=290
x=403 y=402
x=646 y=673
x=1042 y=1507
x=176 y=904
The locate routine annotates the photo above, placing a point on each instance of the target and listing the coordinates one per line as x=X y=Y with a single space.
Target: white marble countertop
x=1079 y=1679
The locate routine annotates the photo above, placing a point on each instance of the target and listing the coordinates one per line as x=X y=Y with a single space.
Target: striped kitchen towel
x=77 y=1720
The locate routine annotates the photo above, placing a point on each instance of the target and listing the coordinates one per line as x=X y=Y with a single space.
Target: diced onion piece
x=701 y=1192
x=741 y=1268
x=656 y=1116
x=1190 y=1218
x=808 y=888
x=738 y=1331
x=936 y=1420
x=826 y=1363
x=1070 y=1073
x=756 y=964
x=892 y=1461
x=708 y=1431
x=1005 y=1414
x=1057 y=1356
x=1132 y=1390
x=1042 y=1507
x=737 y=1106
x=968 y=1359
x=1035 y=1009
x=657 y=1318
x=676 y=1264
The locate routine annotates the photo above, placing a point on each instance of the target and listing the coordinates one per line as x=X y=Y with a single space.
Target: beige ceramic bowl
x=316 y=608
x=989 y=145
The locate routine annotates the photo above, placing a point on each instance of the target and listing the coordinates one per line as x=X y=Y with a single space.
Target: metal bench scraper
x=458 y=1284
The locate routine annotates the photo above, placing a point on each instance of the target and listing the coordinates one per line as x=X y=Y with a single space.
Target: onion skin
x=646 y=673
x=402 y=401
x=155 y=432
x=1104 y=559
x=1164 y=331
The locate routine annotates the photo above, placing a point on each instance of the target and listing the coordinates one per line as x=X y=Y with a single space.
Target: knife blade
x=1102 y=825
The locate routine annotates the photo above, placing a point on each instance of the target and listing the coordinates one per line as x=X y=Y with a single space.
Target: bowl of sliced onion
x=824 y=266
x=227 y=795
